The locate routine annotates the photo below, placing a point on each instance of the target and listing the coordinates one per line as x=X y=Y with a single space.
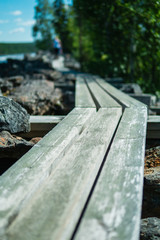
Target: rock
x=13 y=146
x=151 y=190
x=38 y=97
x=38 y=76
x=13 y=117
x=16 y=80
x=151 y=193
x=70 y=77
x=152 y=157
x=131 y=88
x=150 y=229
x=27 y=66
x=70 y=62
x=5 y=86
x=50 y=74
x=35 y=140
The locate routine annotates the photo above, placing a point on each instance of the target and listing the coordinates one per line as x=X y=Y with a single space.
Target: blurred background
x=109 y=38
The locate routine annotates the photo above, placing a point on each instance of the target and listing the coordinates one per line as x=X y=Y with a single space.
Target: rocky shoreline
x=30 y=86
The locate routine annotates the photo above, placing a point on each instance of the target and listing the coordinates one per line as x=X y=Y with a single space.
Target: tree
x=60 y=20
x=110 y=38
x=43 y=29
x=125 y=37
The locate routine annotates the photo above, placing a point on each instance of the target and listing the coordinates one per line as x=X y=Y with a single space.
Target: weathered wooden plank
x=23 y=179
x=155 y=109
x=153 y=127
x=123 y=98
x=153 y=123
x=83 y=96
x=45 y=119
x=56 y=207
x=41 y=125
x=114 y=209
x=103 y=98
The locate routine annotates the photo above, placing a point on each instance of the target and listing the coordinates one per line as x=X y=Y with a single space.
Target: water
x=3 y=58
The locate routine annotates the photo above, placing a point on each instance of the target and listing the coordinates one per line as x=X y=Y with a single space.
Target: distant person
x=57 y=46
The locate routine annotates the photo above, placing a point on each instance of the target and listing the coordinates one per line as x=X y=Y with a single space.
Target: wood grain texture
x=42 y=196
x=46 y=119
x=153 y=123
x=83 y=96
x=41 y=125
x=102 y=97
x=21 y=181
x=54 y=210
x=113 y=212
x=122 y=97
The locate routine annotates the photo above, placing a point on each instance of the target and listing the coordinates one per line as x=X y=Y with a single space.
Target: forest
x=110 y=38
x=16 y=48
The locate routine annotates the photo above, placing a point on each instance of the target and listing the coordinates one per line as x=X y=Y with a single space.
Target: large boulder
x=38 y=97
x=13 y=117
x=150 y=229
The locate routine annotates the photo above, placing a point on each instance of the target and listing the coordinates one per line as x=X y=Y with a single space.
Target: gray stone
x=13 y=117
x=131 y=88
x=38 y=97
x=12 y=146
x=148 y=99
x=70 y=62
x=150 y=229
x=16 y=80
x=5 y=85
x=50 y=74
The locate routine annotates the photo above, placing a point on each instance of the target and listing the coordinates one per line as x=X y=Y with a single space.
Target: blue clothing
x=56 y=43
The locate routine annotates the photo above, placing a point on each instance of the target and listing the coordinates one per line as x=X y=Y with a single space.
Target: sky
x=16 y=20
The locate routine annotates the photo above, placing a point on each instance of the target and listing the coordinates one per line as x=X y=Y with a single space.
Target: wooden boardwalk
x=84 y=179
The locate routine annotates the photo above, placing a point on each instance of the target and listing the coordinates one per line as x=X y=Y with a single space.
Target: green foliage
x=110 y=38
x=60 y=23
x=15 y=48
x=125 y=39
x=43 y=30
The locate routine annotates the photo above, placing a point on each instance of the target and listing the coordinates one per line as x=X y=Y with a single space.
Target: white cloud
x=27 y=23
x=3 y=21
x=16 y=13
x=1 y=32
x=18 y=20
x=16 y=30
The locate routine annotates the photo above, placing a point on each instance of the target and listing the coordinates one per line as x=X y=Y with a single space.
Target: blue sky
x=16 y=20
